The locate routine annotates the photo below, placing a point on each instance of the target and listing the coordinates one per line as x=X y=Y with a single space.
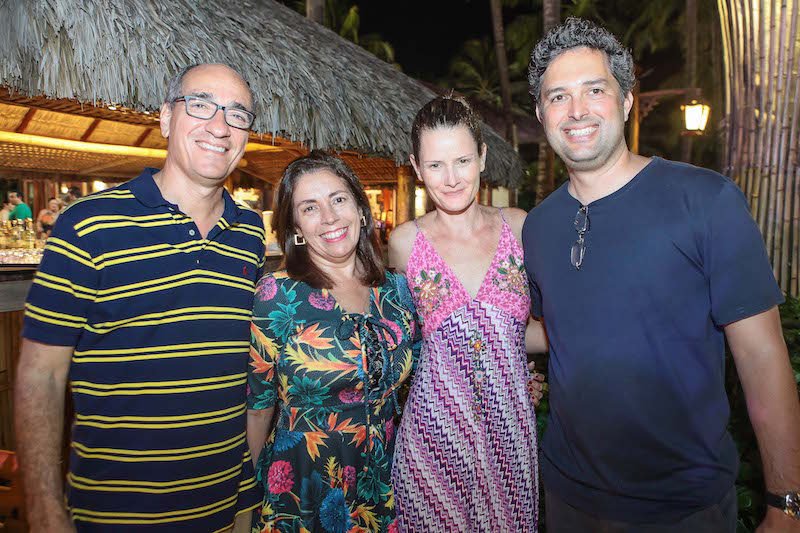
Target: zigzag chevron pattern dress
x=466 y=450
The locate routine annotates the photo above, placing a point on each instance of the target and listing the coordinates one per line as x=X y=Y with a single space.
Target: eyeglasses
x=578 y=249
x=205 y=109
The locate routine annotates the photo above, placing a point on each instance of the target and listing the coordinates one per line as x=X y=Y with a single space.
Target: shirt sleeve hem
x=741 y=313
x=48 y=336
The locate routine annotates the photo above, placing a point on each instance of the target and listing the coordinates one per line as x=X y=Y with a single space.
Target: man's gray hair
x=175 y=85
x=577 y=33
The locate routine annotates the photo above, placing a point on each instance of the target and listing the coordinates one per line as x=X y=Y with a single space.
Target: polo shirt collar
x=145 y=190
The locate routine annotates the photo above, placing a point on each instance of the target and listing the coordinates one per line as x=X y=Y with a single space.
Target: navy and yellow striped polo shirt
x=159 y=318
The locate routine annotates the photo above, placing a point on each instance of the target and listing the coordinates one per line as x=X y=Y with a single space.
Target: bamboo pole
x=760 y=190
x=781 y=153
x=794 y=161
x=771 y=117
x=731 y=94
x=746 y=118
x=761 y=54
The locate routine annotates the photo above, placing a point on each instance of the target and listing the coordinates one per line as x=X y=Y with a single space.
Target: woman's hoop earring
x=299 y=240
x=363 y=221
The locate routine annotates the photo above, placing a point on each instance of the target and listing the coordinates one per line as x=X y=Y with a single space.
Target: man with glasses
x=142 y=306
x=641 y=268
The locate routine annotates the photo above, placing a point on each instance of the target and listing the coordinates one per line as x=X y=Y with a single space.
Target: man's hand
x=536 y=384
x=776 y=521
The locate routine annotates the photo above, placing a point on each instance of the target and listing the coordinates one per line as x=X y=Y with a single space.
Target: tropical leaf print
x=314 y=439
x=333 y=473
x=312 y=336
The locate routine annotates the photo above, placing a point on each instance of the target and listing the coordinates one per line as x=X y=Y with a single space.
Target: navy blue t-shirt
x=638 y=418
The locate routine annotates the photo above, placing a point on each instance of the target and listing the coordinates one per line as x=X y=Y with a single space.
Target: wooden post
x=406 y=185
x=635 y=121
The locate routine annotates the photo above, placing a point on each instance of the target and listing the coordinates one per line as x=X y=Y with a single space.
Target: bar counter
x=15 y=280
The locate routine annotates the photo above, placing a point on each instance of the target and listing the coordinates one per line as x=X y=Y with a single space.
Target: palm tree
x=315 y=10
x=343 y=18
x=502 y=70
x=473 y=72
x=545 y=174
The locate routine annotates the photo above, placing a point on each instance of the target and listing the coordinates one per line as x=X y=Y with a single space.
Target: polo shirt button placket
x=192 y=233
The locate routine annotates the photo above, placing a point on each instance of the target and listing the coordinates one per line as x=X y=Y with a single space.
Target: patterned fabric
x=466 y=449
x=159 y=318
x=334 y=376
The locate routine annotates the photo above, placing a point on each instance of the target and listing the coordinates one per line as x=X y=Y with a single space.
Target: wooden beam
x=103 y=166
x=143 y=136
x=25 y=120
x=90 y=129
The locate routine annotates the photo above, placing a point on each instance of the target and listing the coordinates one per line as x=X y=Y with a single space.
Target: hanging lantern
x=695 y=117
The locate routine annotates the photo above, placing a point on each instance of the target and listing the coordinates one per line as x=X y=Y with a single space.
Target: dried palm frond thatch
x=310 y=84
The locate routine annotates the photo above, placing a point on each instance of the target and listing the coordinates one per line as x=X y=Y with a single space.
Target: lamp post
x=695 y=113
x=695 y=117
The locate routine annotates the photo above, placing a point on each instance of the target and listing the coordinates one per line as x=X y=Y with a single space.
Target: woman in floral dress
x=466 y=457
x=332 y=339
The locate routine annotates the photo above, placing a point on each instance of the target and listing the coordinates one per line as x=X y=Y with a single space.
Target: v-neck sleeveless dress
x=466 y=455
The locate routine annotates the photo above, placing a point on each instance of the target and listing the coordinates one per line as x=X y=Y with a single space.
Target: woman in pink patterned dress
x=466 y=456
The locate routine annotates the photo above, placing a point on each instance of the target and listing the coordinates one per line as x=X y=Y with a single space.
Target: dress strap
x=500 y=209
x=416 y=223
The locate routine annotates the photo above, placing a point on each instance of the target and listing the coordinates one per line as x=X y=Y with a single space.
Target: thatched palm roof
x=310 y=84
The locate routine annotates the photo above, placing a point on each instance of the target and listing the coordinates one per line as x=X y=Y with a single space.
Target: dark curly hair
x=576 y=33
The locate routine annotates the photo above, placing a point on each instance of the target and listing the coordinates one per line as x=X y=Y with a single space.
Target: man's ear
x=164 y=119
x=627 y=104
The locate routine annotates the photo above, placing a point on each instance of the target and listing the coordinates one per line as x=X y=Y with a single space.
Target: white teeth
x=334 y=234
x=213 y=148
x=583 y=131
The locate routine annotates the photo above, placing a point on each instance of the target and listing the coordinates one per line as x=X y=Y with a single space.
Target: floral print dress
x=333 y=377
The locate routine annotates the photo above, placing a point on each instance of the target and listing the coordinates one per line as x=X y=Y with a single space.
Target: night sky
x=426 y=34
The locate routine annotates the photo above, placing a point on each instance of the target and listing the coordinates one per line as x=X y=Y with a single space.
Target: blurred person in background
x=46 y=218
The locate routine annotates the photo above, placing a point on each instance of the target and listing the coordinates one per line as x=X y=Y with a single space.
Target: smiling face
x=14 y=199
x=326 y=215
x=206 y=151
x=450 y=164
x=52 y=205
x=582 y=109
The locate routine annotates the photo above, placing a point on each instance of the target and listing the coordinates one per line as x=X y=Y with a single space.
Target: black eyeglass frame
x=187 y=98
x=578 y=250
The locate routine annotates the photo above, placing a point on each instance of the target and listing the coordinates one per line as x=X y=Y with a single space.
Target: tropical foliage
x=343 y=17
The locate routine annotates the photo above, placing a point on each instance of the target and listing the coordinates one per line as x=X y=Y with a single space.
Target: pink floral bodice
x=437 y=292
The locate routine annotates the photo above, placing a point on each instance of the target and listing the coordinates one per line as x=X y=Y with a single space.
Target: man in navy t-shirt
x=641 y=268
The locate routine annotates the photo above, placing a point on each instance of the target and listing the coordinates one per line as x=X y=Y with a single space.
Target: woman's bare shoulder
x=401 y=241
x=515 y=217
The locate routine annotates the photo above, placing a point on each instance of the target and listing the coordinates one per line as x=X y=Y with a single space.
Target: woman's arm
x=400 y=243
x=259 y=423
x=535 y=337
x=39 y=228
